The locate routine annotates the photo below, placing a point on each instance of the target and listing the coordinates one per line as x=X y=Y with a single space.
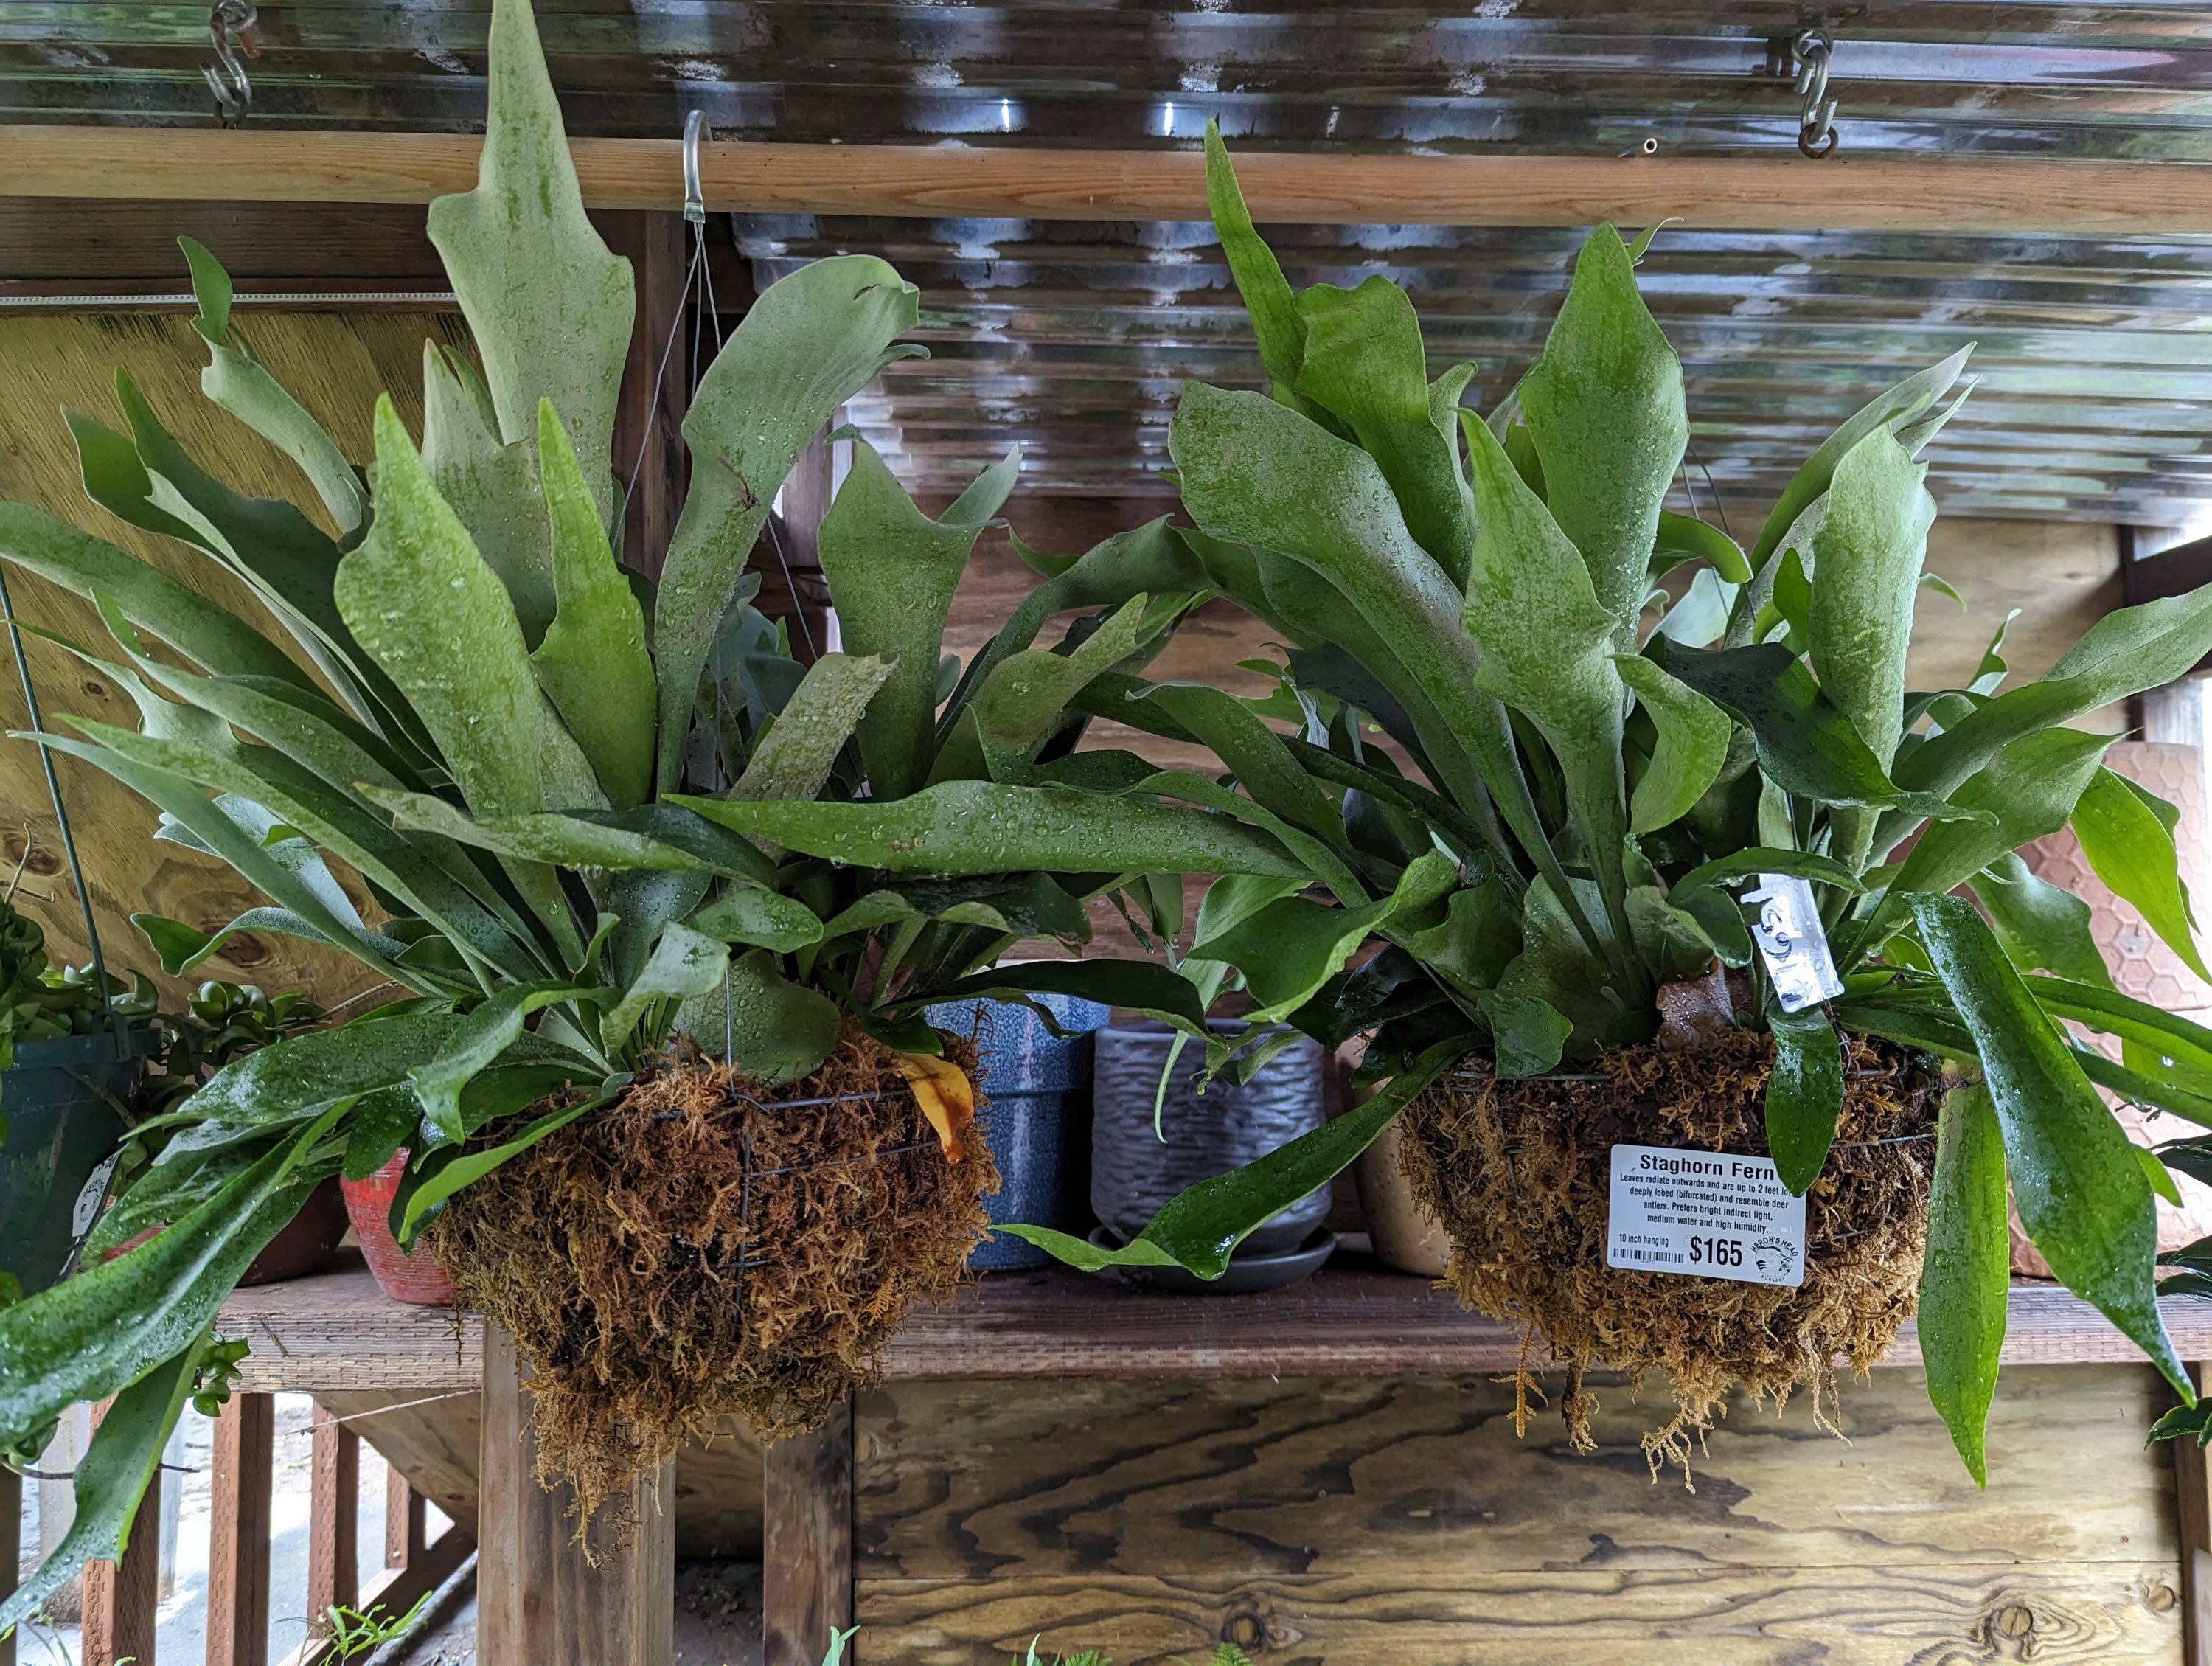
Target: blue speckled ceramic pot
x=1133 y=1173
x=1038 y=1121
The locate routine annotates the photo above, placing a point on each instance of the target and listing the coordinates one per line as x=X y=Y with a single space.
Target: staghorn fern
x=1579 y=812
x=580 y=811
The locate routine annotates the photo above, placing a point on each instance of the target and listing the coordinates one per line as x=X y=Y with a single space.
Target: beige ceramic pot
x=1403 y=1235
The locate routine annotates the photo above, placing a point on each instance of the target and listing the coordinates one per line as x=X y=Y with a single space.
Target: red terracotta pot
x=304 y=1247
x=404 y=1278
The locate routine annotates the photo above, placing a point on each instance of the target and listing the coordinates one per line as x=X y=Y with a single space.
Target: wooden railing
x=120 y=1598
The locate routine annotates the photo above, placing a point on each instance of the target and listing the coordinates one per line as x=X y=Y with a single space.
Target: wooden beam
x=333 y=1519
x=2192 y=1498
x=541 y=1599
x=1877 y=193
x=787 y=554
x=806 y=1542
x=339 y=1331
x=429 y=1442
x=84 y=245
x=406 y=1520
x=238 y=1538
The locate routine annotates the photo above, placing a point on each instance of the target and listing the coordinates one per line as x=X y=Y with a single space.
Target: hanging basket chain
x=230 y=25
x=1812 y=52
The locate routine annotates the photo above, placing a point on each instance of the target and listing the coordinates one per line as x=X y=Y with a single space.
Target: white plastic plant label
x=1792 y=943
x=1710 y=1214
x=88 y=1200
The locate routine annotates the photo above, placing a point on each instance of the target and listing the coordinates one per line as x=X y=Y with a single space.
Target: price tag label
x=1709 y=1214
x=1792 y=943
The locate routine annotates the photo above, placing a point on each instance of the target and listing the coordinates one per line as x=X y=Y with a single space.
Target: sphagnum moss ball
x=709 y=1245
x=1519 y=1174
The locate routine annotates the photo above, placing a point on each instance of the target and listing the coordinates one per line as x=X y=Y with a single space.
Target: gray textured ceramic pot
x=1037 y=1122
x=1133 y=1173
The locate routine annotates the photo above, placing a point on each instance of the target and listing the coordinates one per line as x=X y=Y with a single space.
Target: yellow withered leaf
x=945 y=1095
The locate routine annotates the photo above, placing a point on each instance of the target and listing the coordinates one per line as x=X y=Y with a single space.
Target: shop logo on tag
x=86 y=1209
x=1792 y=942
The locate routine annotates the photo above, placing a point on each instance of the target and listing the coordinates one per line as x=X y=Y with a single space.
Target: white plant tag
x=1792 y=943
x=87 y=1207
x=1707 y=1214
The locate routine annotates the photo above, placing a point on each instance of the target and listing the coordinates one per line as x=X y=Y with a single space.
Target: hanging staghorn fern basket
x=707 y=1246
x=1519 y=1172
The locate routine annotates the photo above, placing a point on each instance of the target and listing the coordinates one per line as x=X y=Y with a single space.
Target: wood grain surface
x=335 y=1332
x=434 y=1442
x=121 y=1597
x=1954 y=193
x=239 y=1516
x=1343 y=1522
x=544 y=1598
x=807 y=1535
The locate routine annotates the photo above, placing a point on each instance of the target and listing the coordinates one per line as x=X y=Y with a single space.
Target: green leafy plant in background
x=218 y=1025
x=1584 y=802
x=581 y=802
x=40 y=1002
x=355 y=1634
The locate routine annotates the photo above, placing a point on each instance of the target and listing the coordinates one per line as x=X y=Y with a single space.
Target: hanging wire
x=61 y=814
x=230 y=25
x=1719 y=508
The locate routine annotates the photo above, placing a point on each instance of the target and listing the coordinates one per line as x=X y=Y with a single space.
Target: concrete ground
x=718 y=1620
x=180 y=1630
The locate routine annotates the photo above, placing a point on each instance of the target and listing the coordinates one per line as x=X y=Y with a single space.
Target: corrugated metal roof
x=2095 y=355
x=2094 y=358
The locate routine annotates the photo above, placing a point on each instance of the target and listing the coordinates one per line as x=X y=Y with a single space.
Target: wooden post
x=2192 y=1493
x=405 y=1521
x=333 y=1520
x=788 y=557
x=807 y=1540
x=237 y=1536
x=120 y=1597
x=11 y=1548
x=540 y=1601
x=649 y=431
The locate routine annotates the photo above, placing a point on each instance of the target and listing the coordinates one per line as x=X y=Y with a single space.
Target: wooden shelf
x=336 y=1331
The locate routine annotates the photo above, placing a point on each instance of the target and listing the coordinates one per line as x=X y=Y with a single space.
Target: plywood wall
x=1402 y=1522
x=335 y=363
x=2063 y=576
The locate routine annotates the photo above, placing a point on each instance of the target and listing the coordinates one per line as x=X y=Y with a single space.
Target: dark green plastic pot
x=62 y=1103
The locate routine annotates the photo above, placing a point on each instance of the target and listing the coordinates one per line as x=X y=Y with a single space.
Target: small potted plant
x=221 y=1024
x=1705 y=1068
x=70 y=1069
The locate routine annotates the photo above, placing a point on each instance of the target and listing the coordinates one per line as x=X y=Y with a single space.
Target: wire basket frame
x=747 y=1260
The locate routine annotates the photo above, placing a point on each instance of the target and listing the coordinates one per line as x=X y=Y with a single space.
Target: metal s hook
x=1816 y=126
x=695 y=198
x=230 y=24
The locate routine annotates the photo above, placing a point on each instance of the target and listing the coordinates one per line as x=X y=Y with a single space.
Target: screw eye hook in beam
x=230 y=24
x=1816 y=126
x=695 y=197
